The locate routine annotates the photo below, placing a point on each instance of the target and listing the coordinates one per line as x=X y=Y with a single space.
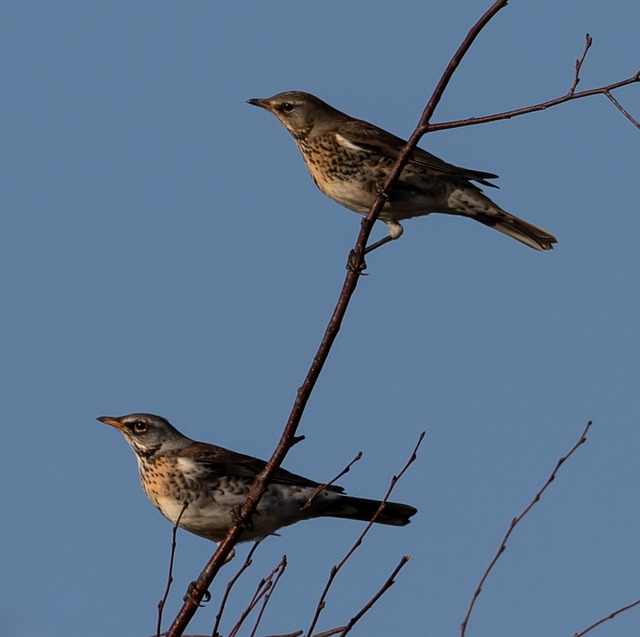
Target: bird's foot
x=355 y=263
x=193 y=586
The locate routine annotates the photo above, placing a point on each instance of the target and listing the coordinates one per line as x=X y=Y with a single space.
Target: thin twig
x=381 y=591
x=580 y=62
x=570 y=95
x=322 y=487
x=515 y=522
x=230 y=584
x=174 y=544
x=337 y=567
x=332 y=631
x=261 y=590
x=268 y=595
x=617 y=104
x=607 y=618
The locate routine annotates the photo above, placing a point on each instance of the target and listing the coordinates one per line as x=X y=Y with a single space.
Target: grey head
x=300 y=113
x=147 y=434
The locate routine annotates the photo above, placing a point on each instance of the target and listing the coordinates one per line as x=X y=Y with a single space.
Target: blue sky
x=163 y=249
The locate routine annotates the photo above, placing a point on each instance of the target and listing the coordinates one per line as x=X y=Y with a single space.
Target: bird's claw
x=355 y=263
x=206 y=596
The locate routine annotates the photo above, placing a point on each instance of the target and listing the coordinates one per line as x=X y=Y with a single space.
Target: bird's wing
x=373 y=139
x=231 y=463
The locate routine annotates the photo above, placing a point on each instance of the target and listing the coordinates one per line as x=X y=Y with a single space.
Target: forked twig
x=230 y=584
x=261 y=590
x=322 y=487
x=515 y=522
x=268 y=595
x=174 y=544
x=337 y=567
x=570 y=95
x=607 y=618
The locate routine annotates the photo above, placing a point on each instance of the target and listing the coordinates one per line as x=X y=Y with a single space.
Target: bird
x=202 y=486
x=349 y=160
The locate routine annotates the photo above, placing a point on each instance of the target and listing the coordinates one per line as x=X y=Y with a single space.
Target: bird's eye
x=287 y=107
x=139 y=426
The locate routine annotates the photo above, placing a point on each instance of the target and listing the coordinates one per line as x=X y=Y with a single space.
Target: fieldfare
x=349 y=160
x=214 y=482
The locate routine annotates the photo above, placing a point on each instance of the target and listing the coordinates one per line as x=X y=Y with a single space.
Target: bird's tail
x=472 y=203
x=346 y=506
x=518 y=229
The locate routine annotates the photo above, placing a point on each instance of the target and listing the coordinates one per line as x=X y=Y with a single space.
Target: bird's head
x=298 y=112
x=147 y=434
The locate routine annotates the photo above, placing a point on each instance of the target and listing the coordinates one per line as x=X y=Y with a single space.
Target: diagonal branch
x=174 y=544
x=336 y=568
x=287 y=439
x=607 y=618
x=230 y=584
x=570 y=95
x=322 y=487
x=515 y=522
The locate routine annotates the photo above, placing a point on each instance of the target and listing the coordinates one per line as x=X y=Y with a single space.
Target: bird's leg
x=395 y=232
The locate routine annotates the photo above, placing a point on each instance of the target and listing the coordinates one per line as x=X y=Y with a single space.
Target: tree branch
x=515 y=522
x=570 y=95
x=607 y=618
x=336 y=568
x=287 y=439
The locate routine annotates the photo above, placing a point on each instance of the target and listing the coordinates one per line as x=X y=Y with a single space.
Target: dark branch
x=570 y=95
x=322 y=487
x=515 y=522
x=607 y=618
x=174 y=544
x=304 y=392
x=381 y=591
x=230 y=584
x=337 y=567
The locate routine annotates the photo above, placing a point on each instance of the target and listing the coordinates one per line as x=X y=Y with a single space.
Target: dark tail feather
x=360 y=509
x=518 y=229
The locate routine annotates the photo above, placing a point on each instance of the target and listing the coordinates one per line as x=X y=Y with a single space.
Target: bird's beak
x=259 y=102
x=109 y=420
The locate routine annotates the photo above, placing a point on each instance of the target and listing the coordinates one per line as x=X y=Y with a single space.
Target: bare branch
x=381 y=591
x=287 y=438
x=580 y=62
x=617 y=104
x=322 y=487
x=329 y=633
x=163 y=601
x=570 y=95
x=356 y=260
x=516 y=521
x=607 y=618
x=354 y=271
x=268 y=594
x=230 y=584
x=336 y=568
x=261 y=590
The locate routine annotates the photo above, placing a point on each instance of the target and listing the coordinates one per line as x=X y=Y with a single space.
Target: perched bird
x=214 y=483
x=349 y=160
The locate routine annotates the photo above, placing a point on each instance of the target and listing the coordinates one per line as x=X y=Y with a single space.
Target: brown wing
x=376 y=140
x=236 y=464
